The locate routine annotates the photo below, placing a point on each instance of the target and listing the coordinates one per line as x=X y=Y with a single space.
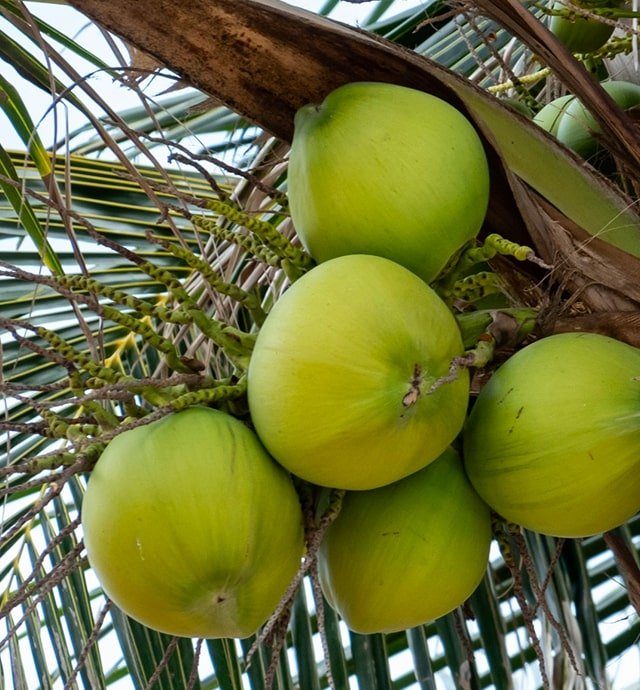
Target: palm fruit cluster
x=357 y=382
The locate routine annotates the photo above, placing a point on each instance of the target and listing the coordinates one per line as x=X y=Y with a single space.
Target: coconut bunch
x=345 y=399
x=369 y=418
x=359 y=382
x=350 y=387
x=585 y=27
x=359 y=389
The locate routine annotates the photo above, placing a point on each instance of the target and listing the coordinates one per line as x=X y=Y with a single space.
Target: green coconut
x=577 y=128
x=191 y=528
x=582 y=34
x=550 y=116
x=386 y=170
x=406 y=553
x=553 y=441
x=340 y=378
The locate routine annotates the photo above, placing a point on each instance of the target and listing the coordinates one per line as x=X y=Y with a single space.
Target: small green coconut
x=577 y=128
x=582 y=34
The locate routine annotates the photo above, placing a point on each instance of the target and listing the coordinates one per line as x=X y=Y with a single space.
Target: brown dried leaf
x=621 y=325
x=142 y=61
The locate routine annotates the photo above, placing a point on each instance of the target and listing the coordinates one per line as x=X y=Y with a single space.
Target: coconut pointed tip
x=308 y=114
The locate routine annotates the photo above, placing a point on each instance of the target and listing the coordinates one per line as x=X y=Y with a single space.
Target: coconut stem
x=315 y=529
x=474 y=287
x=627 y=564
x=479 y=357
x=489 y=330
x=267 y=233
x=578 y=12
x=507 y=326
x=249 y=299
x=503 y=534
x=413 y=394
x=320 y=616
x=458 y=283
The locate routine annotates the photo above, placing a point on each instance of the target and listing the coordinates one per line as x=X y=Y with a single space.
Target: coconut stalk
x=628 y=565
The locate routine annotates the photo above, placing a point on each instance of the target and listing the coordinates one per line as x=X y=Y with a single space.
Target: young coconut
x=377 y=169
x=582 y=34
x=342 y=382
x=550 y=116
x=406 y=553
x=190 y=526
x=553 y=441
x=577 y=128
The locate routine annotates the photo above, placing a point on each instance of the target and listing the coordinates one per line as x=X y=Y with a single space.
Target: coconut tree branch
x=244 y=52
x=621 y=325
